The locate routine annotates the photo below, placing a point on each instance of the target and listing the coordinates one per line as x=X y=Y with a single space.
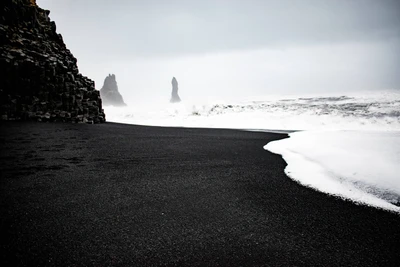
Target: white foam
x=355 y=112
x=363 y=166
x=351 y=146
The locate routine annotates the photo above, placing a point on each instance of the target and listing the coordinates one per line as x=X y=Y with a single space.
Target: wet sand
x=124 y=195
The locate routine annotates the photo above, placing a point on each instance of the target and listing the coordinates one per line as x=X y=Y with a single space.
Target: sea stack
x=40 y=78
x=110 y=94
x=174 y=96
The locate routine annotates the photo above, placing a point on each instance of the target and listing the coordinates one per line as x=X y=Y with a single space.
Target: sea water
x=347 y=145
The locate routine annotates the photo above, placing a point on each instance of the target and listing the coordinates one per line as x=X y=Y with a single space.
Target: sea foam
x=349 y=145
x=350 y=112
x=363 y=166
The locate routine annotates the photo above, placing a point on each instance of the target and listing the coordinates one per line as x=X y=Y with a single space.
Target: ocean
x=347 y=145
x=358 y=111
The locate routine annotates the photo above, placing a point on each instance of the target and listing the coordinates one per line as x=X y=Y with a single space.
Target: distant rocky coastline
x=40 y=78
x=109 y=92
x=174 y=95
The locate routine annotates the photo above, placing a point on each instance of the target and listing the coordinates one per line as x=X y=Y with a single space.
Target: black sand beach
x=123 y=195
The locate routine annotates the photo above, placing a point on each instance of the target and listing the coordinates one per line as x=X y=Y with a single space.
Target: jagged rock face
x=109 y=92
x=40 y=78
x=174 y=95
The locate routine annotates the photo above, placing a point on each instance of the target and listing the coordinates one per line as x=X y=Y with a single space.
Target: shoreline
x=120 y=194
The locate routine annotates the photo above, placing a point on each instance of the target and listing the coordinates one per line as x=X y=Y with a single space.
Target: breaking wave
x=350 y=147
x=363 y=111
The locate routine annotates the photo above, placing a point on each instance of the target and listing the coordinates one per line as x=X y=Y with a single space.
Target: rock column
x=174 y=95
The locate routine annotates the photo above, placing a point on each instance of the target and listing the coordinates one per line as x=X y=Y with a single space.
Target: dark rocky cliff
x=109 y=92
x=39 y=75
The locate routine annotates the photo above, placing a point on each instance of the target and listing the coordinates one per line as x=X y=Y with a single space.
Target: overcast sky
x=233 y=48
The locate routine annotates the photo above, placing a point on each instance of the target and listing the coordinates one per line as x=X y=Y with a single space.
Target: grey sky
x=345 y=43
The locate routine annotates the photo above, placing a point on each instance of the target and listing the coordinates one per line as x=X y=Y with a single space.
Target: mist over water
x=316 y=69
x=223 y=49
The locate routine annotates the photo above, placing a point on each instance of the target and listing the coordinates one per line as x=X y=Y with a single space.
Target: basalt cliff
x=40 y=79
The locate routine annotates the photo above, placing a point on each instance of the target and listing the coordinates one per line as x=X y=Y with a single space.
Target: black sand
x=113 y=194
